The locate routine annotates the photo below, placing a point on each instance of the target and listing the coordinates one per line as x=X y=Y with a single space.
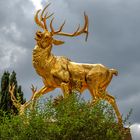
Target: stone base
x=128 y=136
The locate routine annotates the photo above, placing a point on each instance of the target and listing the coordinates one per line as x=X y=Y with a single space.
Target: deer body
x=56 y=71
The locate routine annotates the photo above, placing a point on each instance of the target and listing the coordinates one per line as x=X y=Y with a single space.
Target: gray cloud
x=113 y=41
x=135 y=130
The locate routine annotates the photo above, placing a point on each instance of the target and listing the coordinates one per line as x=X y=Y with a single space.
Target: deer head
x=45 y=38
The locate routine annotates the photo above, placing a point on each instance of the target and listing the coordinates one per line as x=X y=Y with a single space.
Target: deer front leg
x=39 y=93
x=42 y=91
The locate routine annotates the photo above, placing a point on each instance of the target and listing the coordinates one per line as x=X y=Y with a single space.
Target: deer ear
x=58 y=42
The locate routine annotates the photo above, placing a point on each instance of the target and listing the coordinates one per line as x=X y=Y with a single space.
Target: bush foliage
x=6 y=103
x=72 y=118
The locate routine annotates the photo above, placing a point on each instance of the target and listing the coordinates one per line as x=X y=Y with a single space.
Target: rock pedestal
x=128 y=136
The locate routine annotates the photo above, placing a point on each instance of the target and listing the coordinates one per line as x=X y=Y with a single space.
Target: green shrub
x=70 y=119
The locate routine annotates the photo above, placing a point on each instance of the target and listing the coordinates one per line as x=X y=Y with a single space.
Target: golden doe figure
x=60 y=72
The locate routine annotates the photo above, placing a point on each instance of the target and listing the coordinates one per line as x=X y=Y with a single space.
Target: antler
x=42 y=21
x=33 y=92
x=13 y=98
x=76 y=33
x=16 y=103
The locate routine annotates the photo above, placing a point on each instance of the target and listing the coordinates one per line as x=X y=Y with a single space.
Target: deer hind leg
x=66 y=89
x=112 y=101
x=92 y=80
x=92 y=94
x=107 y=80
x=93 y=89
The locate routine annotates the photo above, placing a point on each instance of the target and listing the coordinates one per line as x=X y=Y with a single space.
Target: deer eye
x=39 y=34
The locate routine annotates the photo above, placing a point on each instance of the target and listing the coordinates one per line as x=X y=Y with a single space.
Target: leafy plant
x=71 y=118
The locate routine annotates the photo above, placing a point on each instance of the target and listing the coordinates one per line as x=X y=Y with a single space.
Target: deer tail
x=114 y=72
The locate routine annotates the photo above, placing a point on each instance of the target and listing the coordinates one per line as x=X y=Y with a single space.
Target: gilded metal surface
x=60 y=72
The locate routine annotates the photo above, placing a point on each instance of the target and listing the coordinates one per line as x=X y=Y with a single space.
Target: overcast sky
x=114 y=40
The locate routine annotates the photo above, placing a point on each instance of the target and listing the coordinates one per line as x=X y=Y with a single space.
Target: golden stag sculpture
x=60 y=72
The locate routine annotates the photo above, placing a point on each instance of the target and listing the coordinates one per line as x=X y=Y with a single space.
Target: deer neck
x=37 y=51
x=47 y=52
x=42 y=57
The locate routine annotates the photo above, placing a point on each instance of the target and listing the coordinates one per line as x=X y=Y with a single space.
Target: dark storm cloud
x=16 y=38
x=113 y=41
